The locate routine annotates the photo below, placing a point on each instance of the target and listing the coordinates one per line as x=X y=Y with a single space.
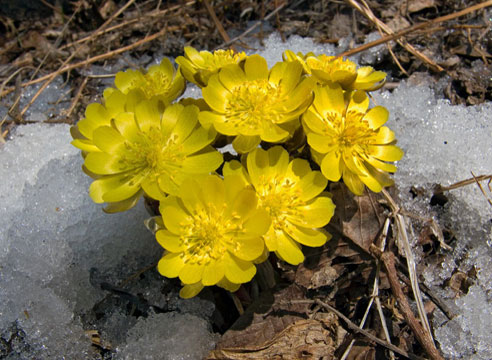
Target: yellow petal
x=273 y=133
x=202 y=163
x=175 y=218
x=381 y=165
x=148 y=115
x=329 y=98
x=187 y=120
x=215 y=94
x=85 y=145
x=320 y=143
x=278 y=161
x=96 y=115
x=255 y=68
x=213 y=273
x=257 y=224
x=314 y=215
x=355 y=185
x=257 y=163
x=229 y=286
x=109 y=140
x=384 y=136
x=191 y=273
x=151 y=188
x=126 y=125
x=123 y=205
x=386 y=152
x=124 y=191
x=376 y=117
x=288 y=250
x=271 y=238
x=312 y=185
x=169 y=241
x=231 y=76
x=190 y=290
x=244 y=204
x=331 y=166
x=214 y=191
x=244 y=144
x=128 y=80
x=238 y=271
x=208 y=118
x=170 y=265
x=104 y=164
x=248 y=249
x=359 y=102
x=306 y=236
x=235 y=168
x=301 y=95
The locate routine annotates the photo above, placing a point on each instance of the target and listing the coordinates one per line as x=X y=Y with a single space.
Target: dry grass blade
x=91 y=60
x=375 y=298
x=405 y=243
x=417 y=27
x=217 y=22
x=462 y=183
x=367 y=12
x=258 y=23
x=355 y=328
x=482 y=190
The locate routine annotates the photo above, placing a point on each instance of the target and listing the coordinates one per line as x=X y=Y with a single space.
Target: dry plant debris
x=293 y=320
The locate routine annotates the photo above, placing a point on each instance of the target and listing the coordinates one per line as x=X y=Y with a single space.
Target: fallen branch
x=388 y=259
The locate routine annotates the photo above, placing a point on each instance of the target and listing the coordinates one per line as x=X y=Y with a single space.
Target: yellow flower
x=198 y=67
x=255 y=104
x=150 y=150
x=213 y=233
x=160 y=81
x=96 y=115
x=350 y=142
x=335 y=69
x=292 y=194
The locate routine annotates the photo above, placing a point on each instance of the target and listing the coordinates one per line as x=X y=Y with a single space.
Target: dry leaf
x=304 y=339
x=359 y=218
x=265 y=318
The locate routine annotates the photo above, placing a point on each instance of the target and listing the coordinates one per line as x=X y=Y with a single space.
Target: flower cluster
x=218 y=220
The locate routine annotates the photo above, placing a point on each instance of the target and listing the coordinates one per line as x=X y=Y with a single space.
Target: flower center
x=354 y=134
x=208 y=235
x=280 y=197
x=153 y=154
x=250 y=105
x=155 y=83
x=330 y=64
x=222 y=58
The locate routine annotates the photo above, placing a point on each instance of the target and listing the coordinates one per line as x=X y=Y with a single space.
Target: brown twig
x=440 y=189
x=91 y=60
x=125 y=24
x=247 y=31
x=217 y=23
x=413 y=28
x=388 y=259
x=76 y=98
x=482 y=190
x=367 y=334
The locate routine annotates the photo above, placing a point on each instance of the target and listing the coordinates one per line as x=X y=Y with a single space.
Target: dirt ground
x=447 y=41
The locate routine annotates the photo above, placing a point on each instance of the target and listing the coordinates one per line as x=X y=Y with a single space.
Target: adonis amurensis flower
x=253 y=104
x=149 y=151
x=336 y=69
x=292 y=194
x=349 y=141
x=212 y=234
x=161 y=81
x=198 y=67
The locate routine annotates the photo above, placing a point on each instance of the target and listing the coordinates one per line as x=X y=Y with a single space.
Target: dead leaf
x=416 y=5
x=359 y=218
x=304 y=339
x=265 y=318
